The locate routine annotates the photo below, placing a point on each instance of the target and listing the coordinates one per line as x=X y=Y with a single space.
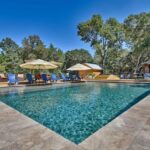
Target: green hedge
x=2 y=69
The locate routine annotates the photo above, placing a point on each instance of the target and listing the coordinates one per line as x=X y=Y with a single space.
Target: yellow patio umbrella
x=78 y=67
x=59 y=64
x=38 y=64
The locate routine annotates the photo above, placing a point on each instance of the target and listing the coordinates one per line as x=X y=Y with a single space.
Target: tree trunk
x=137 y=64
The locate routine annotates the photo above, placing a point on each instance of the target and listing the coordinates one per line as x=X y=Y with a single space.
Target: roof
x=93 y=66
x=78 y=67
x=147 y=62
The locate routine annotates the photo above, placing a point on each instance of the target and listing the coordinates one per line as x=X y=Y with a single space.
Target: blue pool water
x=75 y=112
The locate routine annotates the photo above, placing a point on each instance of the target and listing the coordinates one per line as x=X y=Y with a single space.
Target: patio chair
x=38 y=77
x=147 y=76
x=12 y=79
x=29 y=78
x=74 y=77
x=71 y=77
x=78 y=77
x=44 y=78
x=64 y=77
x=3 y=78
x=54 y=77
x=20 y=77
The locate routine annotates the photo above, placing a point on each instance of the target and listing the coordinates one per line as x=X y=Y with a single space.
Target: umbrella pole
x=40 y=73
x=31 y=73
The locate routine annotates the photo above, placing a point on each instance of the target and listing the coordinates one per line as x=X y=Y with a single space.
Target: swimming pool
x=77 y=111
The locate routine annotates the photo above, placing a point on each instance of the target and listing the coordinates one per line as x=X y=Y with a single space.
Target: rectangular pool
x=77 y=111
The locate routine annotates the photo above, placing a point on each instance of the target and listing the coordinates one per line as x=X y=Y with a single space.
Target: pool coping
x=134 y=81
x=128 y=131
x=86 y=80
x=24 y=133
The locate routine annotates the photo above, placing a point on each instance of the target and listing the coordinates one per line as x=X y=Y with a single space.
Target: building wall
x=84 y=74
x=147 y=68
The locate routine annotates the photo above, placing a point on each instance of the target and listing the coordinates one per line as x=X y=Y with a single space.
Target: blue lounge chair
x=64 y=77
x=147 y=76
x=29 y=78
x=71 y=77
x=12 y=79
x=74 y=77
x=44 y=78
x=78 y=77
x=53 y=77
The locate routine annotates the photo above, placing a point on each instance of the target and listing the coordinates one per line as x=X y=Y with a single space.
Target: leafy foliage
x=103 y=36
x=76 y=56
x=137 y=29
x=55 y=54
x=11 y=54
x=33 y=48
x=118 y=47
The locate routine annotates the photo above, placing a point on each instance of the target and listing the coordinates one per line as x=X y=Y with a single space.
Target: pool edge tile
x=114 y=135
x=96 y=141
x=32 y=136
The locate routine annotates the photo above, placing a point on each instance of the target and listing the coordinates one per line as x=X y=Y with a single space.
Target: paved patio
x=18 y=132
x=129 y=131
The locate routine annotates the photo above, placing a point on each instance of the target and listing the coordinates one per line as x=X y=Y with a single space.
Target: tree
x=76 y=56
x=1 y=57
x=2 y=68
x=11 y=54
x=115 y=63
x=55 y=54
x=137 y=29
x=33 y=48
x=103 y=36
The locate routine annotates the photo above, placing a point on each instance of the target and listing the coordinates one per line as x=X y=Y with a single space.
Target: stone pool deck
x=18 y=132
x=129 y=131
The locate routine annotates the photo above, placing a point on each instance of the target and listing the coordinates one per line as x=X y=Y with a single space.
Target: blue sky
x=55 y=21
